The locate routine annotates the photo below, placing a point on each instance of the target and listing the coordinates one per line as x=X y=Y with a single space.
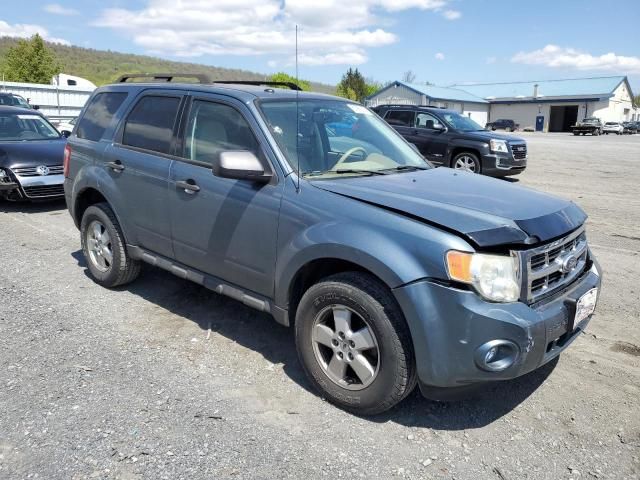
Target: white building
x=549 y=105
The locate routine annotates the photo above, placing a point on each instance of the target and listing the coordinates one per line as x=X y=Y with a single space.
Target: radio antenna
x=298 y=173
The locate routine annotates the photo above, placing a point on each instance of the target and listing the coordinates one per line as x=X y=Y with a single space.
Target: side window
x=150 y=123
x=426 y=120
x=98 y=115
x=213 y=128
x=401 y=118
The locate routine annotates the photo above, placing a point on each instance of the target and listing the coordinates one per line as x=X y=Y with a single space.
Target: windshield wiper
x=404 y=168
x=355 y=170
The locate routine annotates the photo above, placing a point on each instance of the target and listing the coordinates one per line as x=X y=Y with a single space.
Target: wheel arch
x=458 y=149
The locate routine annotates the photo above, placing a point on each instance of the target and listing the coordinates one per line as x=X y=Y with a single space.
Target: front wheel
x=467 y=162
x=354 y=343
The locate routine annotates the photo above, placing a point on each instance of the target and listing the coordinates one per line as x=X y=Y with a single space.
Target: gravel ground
x=128 y=384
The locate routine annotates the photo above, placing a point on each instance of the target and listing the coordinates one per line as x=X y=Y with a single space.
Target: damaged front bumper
x=454 y=331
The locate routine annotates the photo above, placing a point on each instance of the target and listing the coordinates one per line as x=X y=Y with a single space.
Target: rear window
x=400 y=117
x=150 y=123
x=98 y=115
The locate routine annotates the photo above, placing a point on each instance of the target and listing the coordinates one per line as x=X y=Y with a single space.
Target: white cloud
x=24 y=30
x=451 y=14
x=331 y=32
x=57 y=9
x=439 y=56
x=564 y=57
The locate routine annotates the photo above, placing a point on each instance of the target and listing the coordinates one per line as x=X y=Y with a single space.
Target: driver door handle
x=189 y=186
x=116 y=166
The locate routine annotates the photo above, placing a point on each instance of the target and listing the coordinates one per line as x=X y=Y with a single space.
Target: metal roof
x=576 y=87
x=436 y=93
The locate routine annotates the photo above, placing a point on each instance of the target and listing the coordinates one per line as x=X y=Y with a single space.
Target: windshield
x=591 y=120
x=14 y=100
x=335 y=138
x=18 y=127
x=460 y=122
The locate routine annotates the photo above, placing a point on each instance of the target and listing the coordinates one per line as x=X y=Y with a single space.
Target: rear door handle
x=116 y=166
x=189 y=186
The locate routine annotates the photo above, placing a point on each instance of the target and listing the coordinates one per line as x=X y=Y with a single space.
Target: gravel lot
x=128 y=384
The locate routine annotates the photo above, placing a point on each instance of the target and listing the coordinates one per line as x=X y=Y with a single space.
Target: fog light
x=497 y=355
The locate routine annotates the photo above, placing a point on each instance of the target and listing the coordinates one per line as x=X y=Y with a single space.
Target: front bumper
x=448 y=325
x=502 y=165
x=33 y=187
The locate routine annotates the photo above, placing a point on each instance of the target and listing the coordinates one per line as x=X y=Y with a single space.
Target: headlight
x=3 y=174
x=498 y=146
x=494 y=277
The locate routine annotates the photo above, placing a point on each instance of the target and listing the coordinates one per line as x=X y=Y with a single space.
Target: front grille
x=41 y=191
x=519 y=151
x=33 y=171
x=551 y=267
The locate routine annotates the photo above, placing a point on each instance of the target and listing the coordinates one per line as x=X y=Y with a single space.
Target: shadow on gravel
x=227 y=317
x=260 y=333
x=56 y=207
x=480 y=409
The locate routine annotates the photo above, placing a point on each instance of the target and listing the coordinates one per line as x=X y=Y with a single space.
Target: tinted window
x=150 y=123
x=98 y=115
x=213 y=128
x=402 y=118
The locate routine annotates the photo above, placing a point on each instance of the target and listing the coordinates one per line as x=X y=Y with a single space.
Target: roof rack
x=202 y=78
x=164 y=77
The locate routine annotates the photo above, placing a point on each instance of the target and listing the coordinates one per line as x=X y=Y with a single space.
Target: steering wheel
x=347 y=154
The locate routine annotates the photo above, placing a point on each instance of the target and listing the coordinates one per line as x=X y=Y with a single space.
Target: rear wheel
x=467 y=162
x=354 y=343
x=104 y=247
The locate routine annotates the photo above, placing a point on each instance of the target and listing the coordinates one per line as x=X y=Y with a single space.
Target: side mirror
x=440 y=128
x=240 y=165
x=65 y=133
x=35 y=107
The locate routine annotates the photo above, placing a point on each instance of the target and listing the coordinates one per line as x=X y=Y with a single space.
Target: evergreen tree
x=353 y=86
x=30 y=61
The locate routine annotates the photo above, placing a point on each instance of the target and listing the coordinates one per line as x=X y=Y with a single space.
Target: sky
x=441 y=41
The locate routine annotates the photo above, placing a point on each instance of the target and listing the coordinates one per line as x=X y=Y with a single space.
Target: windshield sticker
x=359 y=109
x=29 y=117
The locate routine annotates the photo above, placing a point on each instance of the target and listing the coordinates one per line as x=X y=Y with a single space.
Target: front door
x=430 y=137
x=139 y=164
x=224 y=227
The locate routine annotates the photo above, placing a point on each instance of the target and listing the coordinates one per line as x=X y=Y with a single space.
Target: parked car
x=613 y=127
x=31 y=151
x=449 y=139
x=591 y=125
x=629 y=127
x=66 y=127
x=391 y=272
x=503 y=124
x=13 y=100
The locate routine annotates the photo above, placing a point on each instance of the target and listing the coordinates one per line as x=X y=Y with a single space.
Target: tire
x=576 y=133
x=359 y=303
x=596 y=133
x=466 y=161
x=104 y=248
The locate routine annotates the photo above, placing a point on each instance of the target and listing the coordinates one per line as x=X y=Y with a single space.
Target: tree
x=372 y=86
x=352 y=86
x=409 y=76
x=636 y=101
x=285 y=77
x=30 y=61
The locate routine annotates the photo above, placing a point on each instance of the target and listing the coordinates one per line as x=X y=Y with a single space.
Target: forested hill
x=104 y=66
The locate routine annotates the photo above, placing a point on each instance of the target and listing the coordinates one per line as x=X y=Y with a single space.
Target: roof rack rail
x=267 y=83
x=165 y=77
x=202 y=78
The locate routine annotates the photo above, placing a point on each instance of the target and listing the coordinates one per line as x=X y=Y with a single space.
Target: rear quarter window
x=98 y=115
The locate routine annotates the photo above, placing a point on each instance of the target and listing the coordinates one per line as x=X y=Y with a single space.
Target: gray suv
x=390 y=271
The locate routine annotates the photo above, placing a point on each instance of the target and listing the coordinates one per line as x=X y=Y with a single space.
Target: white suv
x=613 y=127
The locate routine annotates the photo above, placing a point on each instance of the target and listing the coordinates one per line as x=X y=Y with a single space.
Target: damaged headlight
x=494 y=277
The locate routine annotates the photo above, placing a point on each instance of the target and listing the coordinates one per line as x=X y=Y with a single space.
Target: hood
x=486 y=135
x=32 y=153
x=486 y=211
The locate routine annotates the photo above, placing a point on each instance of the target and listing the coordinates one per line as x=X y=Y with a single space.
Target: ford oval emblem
x=42 y=170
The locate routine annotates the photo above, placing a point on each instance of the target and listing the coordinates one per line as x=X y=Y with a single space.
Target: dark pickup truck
x=590 y=125
x=448 y=139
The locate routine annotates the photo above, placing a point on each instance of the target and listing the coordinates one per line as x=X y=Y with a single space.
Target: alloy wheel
x=345 y=347
x=466 y=163
x=99 y=246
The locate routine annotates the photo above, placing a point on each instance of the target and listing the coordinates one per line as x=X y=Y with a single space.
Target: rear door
x=139 y=161
x=224 y=227
x=402 y=120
